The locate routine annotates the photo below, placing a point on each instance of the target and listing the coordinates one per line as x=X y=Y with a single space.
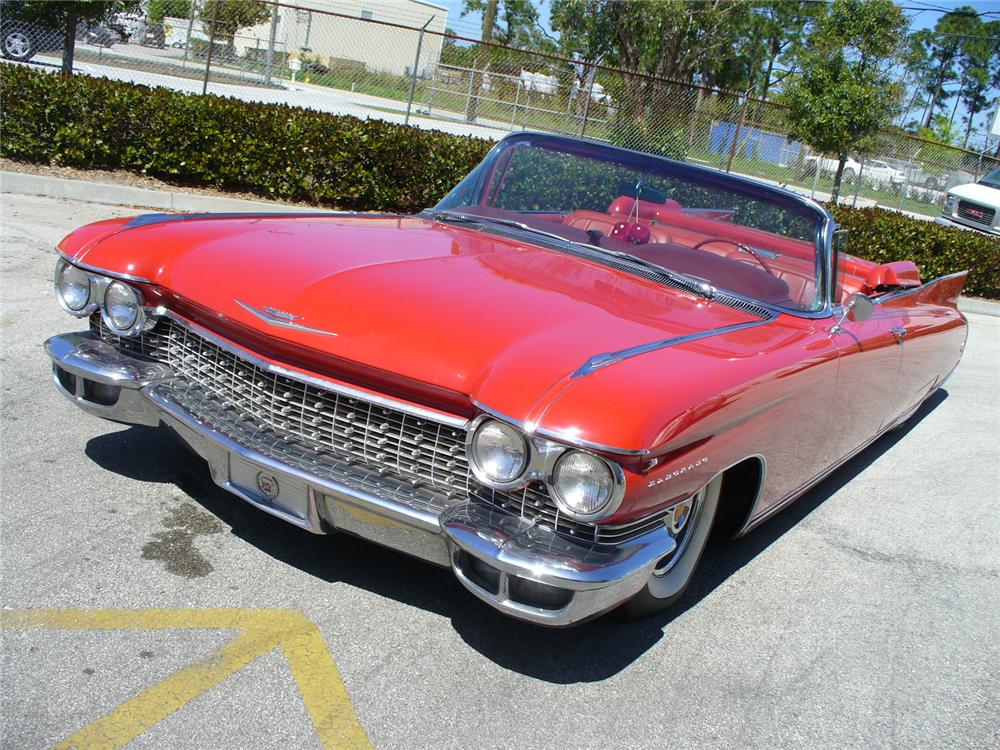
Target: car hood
x=982 y=194
x=502 y=322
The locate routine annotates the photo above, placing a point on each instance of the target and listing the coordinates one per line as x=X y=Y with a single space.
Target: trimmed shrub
x=298 y=154
x=880 y=235
x=271 y=150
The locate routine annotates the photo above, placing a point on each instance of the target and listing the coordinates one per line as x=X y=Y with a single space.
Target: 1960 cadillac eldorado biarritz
x=557 y=381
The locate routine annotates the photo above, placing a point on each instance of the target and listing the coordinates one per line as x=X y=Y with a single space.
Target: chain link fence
x=396 y=60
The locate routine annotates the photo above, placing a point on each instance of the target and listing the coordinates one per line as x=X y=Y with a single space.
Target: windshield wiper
x=697 y=286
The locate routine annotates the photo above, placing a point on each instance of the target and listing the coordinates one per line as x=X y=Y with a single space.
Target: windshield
x=991 y=179
x=738 y=236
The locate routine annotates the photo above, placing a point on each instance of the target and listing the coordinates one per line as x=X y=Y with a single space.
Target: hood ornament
x=275 y=317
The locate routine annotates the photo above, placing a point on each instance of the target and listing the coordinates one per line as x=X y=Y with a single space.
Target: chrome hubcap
x=16 y=44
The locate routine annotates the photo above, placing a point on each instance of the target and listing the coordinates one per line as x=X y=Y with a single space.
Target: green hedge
x=366 y=165
x=881 y=235
x=270 y=150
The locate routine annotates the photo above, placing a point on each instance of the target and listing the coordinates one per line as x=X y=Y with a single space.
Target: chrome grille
x=151 y=345
x=291 y=418
x=974 y=212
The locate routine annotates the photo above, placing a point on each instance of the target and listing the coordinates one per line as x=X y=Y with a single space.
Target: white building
x=355 y=31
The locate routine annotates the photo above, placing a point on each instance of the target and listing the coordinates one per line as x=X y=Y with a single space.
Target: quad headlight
x=498 y=453
x=80 y=292
x=74 y=289
x=122 y=308
x=582 y=484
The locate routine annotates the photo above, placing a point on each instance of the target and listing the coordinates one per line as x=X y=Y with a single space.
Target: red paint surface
x=447 y=316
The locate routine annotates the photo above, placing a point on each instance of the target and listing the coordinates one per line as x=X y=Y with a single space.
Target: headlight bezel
x=479 y=472
x=94 y=294
x=146 y=317
x=543 y=456
x=138 y=324
x=609 y=506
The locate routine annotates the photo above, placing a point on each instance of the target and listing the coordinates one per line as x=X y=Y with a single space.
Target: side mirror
x=857 y=308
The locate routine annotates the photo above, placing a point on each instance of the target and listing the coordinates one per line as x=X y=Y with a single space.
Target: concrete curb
x=979 y=306
x=23 y=183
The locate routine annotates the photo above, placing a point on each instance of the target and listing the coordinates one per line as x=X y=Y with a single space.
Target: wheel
x=17 y=45
x=670 y=580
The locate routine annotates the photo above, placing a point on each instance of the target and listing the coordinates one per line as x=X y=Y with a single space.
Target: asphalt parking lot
x=143 y=606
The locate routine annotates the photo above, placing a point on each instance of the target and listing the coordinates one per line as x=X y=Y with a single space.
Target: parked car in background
x=881 y=176
x=97 y=34
x=828 y=167
x=975 y=205
x=152 y=35
x=556 y=382
x=876 y=173
x=20 y=40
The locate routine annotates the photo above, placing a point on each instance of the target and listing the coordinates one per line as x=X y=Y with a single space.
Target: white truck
x=975 y=205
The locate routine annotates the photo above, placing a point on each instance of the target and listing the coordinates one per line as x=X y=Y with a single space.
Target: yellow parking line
x=313 y=669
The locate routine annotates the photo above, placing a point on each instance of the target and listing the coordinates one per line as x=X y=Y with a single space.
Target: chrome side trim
x=602 y=360
x=531 y=429
x=330 y=385
x=103 y=271
x=283 y=320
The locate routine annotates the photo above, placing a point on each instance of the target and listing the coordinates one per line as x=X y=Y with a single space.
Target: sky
x=923 y=14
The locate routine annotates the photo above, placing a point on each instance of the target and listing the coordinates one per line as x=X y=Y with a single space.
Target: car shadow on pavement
x=591 y=652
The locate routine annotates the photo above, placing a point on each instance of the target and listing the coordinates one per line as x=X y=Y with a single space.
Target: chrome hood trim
x=603 y=360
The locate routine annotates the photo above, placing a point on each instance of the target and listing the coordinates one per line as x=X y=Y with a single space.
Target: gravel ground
x=866 y=615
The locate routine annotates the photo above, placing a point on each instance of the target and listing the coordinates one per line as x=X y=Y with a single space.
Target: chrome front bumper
x=950 y=221
x=523 y=569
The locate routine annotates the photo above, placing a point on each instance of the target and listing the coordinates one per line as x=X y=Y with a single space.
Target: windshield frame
x=480 y=177
x=991 y=184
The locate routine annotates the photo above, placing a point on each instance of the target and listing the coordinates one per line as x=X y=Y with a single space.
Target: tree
x=942 y=49
x=979 y=62
x=844 y=93
x=65 y=15
x=229 y=16
x=516 y=21
x=157 y=10
x=663 y=39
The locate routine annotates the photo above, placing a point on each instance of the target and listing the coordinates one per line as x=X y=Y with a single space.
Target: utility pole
x=211 y=46
x=489 y=18
x=187 y=41
x=270 y=45
x=416 y=67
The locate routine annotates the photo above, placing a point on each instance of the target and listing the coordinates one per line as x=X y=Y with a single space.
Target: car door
x=866 y=393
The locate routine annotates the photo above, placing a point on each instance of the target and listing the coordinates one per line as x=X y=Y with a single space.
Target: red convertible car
x=556 y=382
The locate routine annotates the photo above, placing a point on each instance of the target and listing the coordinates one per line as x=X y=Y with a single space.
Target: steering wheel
x=741 y=248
